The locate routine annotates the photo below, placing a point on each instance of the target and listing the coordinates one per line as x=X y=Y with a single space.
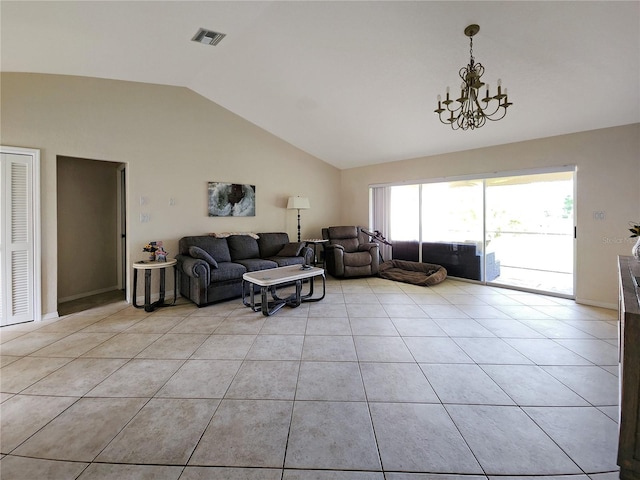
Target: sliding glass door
x=515 y=230
x=452 y=231
x=529 y=226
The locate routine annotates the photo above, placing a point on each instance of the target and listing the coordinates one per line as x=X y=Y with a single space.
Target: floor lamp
x=298 y=203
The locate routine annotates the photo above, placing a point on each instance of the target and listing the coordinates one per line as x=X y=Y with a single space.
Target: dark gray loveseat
x=210 y=269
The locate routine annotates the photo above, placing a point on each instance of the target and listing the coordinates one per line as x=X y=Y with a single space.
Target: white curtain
x=379 y=216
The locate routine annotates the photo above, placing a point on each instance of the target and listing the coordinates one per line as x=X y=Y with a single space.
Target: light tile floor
x=380 y=380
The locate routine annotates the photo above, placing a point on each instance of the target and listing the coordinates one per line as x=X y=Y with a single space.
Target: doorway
x=91 y=237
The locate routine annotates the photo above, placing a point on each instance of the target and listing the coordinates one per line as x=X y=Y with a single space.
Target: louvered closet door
x=17 y=247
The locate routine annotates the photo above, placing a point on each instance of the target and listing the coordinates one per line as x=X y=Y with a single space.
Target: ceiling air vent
x=208 y=37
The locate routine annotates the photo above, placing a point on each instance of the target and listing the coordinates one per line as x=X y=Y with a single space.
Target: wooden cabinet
x=629 y=317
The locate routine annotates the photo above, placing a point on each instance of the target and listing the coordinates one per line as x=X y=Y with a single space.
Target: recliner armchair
x=349 y=252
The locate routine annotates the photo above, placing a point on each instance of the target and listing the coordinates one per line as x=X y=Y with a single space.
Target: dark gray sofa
x=216 y=274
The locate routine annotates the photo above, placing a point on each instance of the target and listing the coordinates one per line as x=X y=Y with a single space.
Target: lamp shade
x=298 y=203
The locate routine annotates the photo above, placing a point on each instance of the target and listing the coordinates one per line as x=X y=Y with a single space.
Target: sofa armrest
x=374 y=250
x=363 y=247
x=308 y=254
x=334 y=259
x=194 y=268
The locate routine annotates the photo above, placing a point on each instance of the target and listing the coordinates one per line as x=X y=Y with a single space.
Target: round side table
x=148 y=267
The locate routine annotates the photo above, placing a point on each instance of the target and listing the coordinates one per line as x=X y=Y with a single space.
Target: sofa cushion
x=291 y=249
x=255 y=264
x=216 y=247
x=242 y=247
x=349 y=244
x=336 y=233
x=357 y=259
x=286 y=261
x=197 y=252
x=227 y=271
x=271 y=243
x=346 y=236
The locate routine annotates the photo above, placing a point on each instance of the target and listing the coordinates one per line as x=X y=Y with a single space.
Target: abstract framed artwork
x=231 y=199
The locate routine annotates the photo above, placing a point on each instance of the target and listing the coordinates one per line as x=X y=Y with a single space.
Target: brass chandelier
x=470 y=111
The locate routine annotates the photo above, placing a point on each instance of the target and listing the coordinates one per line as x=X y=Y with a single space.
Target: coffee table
x=273 y=278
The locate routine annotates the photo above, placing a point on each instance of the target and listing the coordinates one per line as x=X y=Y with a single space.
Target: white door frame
x=33 y=187
x=123 y=230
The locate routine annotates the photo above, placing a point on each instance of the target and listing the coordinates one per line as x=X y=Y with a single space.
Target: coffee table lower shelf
x=270 y=280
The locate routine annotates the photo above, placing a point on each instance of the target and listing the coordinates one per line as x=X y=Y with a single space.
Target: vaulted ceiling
x=352 y=82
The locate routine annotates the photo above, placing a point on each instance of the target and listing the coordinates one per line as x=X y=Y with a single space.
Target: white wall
x=608 y=179
x=173 y=142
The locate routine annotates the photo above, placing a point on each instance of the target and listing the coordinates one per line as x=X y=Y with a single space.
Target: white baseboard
x=50 y=316
x=591 y=303
x=87 y=294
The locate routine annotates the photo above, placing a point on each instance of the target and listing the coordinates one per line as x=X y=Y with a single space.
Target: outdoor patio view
x=518 y=229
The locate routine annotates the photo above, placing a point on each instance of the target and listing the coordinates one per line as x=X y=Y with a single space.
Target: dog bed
x=416 y=273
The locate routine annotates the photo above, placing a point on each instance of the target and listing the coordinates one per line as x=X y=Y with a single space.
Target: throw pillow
x=197 y=252
x=291 y=249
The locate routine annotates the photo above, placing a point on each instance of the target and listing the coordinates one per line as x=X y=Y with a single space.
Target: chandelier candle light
x=471 y=111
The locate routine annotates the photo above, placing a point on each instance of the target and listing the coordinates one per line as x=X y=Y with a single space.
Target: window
x=513 y=230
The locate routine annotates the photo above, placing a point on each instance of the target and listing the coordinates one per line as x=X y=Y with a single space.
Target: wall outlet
x=145 y=218
x=172 y=202
x=599 y=215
